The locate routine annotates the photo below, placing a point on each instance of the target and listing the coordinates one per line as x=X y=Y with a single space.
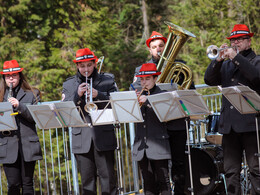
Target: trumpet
x=90 y=105
x=213 y=51
x=143 y=89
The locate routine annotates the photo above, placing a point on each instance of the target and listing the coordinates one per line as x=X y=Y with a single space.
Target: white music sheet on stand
x=244 y=99
x=125 y=109
x=56 y=115
x=178 y=104
x=102 y=117
x=7 y=121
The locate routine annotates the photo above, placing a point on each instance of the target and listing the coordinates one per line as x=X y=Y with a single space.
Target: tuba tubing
x=171 y=70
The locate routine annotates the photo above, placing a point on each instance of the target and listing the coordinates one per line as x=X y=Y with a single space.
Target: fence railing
x=57 y=172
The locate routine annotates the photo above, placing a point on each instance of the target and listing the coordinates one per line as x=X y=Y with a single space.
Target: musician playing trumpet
x=151 y=146
x=239 y=130
x=20 y=148
x=93 y=146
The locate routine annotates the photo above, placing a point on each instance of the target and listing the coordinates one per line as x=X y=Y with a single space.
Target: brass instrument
x=100 y=63
x=90 y=105
x=171 y=70
x=143 y=89
x=213 y=51
x=10 y=92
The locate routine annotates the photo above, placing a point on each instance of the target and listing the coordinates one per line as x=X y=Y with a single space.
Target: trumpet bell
x=212 y=52
x=90 y=106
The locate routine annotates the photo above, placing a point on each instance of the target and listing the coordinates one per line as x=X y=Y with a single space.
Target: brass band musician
x=176 y=128
x=19 y=149
x=151 y=146
x=93 y=146
x=239 y=131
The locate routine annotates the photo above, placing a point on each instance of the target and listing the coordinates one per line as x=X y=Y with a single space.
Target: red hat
x=11 y=67
x=240 y=30
x=155 y=35
x=84 y=55
x=148 y=69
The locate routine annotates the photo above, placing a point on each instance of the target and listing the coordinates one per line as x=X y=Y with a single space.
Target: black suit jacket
x=151 y=136
x=25 y=139
x=173 y=125
x=243 y=69
x=103 y=136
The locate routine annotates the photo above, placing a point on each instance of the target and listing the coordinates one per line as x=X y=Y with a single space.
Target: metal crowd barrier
x=57 y=172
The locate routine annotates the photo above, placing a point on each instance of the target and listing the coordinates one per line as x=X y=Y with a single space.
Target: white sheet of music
x=102 y=117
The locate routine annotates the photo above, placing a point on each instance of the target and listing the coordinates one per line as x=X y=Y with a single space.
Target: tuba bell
x=174 y=71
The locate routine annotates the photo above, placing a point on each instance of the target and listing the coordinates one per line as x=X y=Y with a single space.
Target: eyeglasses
x=239 y=40
x=11 y=75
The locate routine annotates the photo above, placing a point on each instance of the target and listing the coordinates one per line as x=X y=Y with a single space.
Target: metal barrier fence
x=57 y=172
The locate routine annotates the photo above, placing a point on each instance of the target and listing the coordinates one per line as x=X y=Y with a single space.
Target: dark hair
x=24 y=85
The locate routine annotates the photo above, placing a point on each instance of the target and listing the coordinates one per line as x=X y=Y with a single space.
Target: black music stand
x=7 y=117
x=179 y=104
x=246 y=101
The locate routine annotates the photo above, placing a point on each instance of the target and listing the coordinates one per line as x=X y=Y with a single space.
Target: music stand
x=125 y=109
x=57 y=115
x=246 y=101
x=7 y=119
x=179 y=104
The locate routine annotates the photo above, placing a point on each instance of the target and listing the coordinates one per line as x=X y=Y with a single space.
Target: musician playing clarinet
x=93 y=146
x=242 y=66
x=151 y=146
x=20 y=148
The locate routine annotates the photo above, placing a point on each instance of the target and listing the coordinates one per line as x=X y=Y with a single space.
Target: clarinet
x=10 y=93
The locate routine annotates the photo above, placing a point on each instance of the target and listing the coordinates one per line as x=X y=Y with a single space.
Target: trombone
x=90 y=105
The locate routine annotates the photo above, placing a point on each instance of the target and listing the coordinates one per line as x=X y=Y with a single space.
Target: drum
x=212 y=135
x=207 y=164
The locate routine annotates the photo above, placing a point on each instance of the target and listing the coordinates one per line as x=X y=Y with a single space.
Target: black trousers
x=156 y=176
x=20 y=175
x=93 y=164
x=178 y=146
x=233 y=146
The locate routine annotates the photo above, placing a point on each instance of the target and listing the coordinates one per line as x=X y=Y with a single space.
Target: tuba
x=173 y=71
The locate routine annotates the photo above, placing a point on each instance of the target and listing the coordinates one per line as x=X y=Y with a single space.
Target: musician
x=19 y=149
x=151 y=146
x=93 y=146
x=176 y=128
x=239 y=130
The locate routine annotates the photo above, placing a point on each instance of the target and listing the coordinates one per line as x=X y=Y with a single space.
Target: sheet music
x=7 y=122
x=102 y=117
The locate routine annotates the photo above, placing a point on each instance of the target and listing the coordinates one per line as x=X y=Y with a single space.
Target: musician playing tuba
x=93 y=146
x=20 y=148
x=176 y=128
x=151 y=146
